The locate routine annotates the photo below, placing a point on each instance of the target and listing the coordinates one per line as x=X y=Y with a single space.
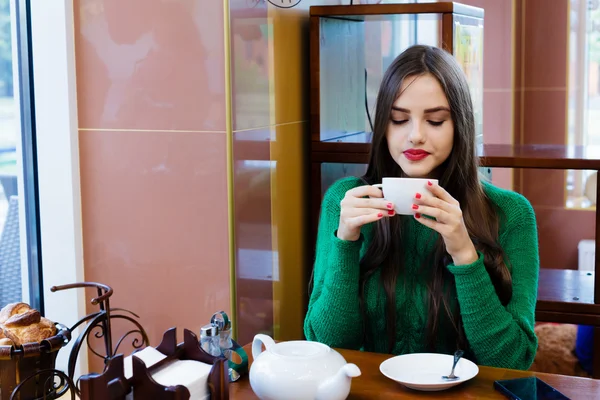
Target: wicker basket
x=32 y=365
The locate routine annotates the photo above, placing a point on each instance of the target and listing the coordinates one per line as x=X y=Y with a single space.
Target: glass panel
x=256 y=259
x=331 y=172
x=560 y=230
x=501 y=177
x=584 y=95
x=468 y=49
x=354 y=56
x=251 y=44
x=585 y=195
x=16 y=281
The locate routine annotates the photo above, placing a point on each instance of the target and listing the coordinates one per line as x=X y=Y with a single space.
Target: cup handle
x=257 y=343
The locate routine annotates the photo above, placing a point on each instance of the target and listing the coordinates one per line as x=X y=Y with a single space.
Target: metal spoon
x=457 y=357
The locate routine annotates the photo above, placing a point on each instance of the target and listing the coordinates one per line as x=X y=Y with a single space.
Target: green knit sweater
x=498 y=336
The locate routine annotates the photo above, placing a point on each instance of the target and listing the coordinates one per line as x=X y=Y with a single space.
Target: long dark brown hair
x=458 y=175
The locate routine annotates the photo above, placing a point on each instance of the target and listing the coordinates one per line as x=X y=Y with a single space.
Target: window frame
x=24 y=101
x=57 y=155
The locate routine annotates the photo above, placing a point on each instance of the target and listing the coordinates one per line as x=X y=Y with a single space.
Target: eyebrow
x=427 y=111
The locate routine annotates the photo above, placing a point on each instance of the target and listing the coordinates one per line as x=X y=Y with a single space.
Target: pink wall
x=151 y=100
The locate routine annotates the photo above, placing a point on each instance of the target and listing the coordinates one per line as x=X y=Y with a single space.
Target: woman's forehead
x=421 y=92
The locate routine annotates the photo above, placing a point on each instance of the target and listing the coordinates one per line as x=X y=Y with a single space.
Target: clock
x=284 y=3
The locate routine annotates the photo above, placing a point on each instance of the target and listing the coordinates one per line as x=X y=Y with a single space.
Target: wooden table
x=373 y=385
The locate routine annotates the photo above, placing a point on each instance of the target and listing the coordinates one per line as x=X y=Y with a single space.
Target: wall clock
x=284 y=3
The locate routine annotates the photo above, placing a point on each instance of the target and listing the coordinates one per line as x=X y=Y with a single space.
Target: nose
x=416 y=135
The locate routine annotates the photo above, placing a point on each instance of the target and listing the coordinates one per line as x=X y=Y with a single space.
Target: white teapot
x=299 y=370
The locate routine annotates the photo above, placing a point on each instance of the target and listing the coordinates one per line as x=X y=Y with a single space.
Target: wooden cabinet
x=350 y=49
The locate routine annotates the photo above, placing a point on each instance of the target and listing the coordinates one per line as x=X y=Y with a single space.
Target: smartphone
x=532 y=388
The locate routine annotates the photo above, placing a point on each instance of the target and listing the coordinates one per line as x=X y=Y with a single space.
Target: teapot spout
x=337 y=387
x=350 y=370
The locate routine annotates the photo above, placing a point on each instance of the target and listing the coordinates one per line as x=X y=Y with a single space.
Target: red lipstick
x=415 y=154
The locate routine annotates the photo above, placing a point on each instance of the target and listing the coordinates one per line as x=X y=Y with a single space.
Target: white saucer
x=424 y=371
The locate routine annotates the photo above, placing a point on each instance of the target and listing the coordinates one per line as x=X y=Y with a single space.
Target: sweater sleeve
x=503 y=336
x=334 y=316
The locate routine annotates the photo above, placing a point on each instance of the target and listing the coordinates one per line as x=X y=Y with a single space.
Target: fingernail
x=415 y=207
x=417 y=215
x=390 y=205
x=391 y=212
x=418 y=195
x=429 y=183
x=380 y=215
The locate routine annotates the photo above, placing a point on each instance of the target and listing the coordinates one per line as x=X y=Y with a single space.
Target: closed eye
x=400 y=122
x=435 y=123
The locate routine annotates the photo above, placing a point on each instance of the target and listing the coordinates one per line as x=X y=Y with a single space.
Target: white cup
x=401 y=192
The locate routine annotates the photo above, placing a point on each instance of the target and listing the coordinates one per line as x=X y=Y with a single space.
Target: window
x=20 y=276
x=584 y=96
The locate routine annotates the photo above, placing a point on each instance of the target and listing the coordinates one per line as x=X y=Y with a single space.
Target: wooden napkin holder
x=112 y=384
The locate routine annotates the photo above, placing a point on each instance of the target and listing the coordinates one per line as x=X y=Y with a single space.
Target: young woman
x=462 y=272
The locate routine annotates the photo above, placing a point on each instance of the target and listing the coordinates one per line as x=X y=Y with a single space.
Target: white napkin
x=191 y=374
x=149 y=356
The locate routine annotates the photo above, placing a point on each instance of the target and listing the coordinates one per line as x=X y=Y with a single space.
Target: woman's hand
x=360 y=206
x=448 y=223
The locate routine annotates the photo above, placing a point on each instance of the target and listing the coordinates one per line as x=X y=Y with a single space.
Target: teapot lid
x=300 y=349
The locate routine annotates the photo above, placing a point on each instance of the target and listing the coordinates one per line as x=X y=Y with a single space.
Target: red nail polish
x=415 y=207
x=418 y=195
x=417 y=215
x=380 y=215
x=429 y=183
x=391 y=212
x=390 y=205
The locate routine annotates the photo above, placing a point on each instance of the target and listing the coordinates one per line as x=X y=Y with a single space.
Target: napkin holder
x=112 y=384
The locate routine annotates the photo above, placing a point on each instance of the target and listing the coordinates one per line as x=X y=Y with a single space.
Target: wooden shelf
x=491 y=155
x=360 y=11
x=567 y=296
x=567 y=289
x=340 y=152
x=341 y=147
x=540 y=156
